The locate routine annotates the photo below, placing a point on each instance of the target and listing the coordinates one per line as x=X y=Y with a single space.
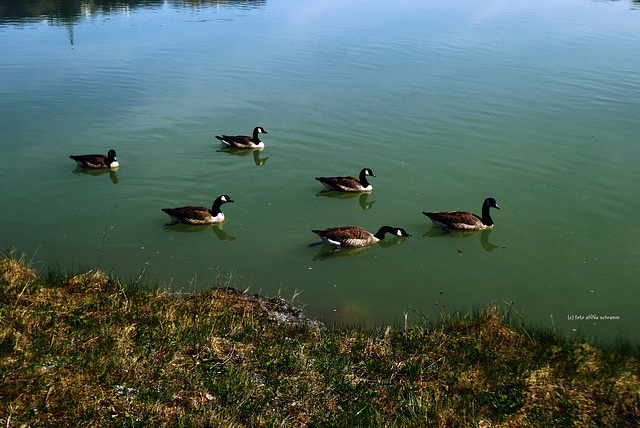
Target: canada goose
x=463 y=220
x=355 y=236
x=348 y=184
x=243 y=141
x=199 y=215
x=97 y=161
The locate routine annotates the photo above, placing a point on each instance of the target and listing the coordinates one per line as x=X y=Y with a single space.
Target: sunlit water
x=533 y=103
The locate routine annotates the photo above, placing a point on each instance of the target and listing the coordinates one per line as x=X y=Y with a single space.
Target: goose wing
x=346 y=236
x=344 y=184
x=91 y=161
x=194 y=215
x=236 y=140
x=455 y=219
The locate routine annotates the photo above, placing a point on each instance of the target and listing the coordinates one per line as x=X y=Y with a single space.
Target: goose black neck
x=215 y=209
x=486 y=217
x=256 y=139
x=363 y=178
x=384 y=229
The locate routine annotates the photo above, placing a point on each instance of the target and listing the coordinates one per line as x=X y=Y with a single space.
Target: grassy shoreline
x=87 y=350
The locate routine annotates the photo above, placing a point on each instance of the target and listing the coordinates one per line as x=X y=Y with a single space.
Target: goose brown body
x=199 y=215
x=464 y=220
x=97 y=161
x=355 y=236
x=244 y=141
x=348 y=184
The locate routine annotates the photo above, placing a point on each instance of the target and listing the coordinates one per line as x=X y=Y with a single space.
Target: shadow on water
x=328 y=252
x=190 y=228
x=362 y=197
x=436 y=232
x=245 y=152
x=98 y=172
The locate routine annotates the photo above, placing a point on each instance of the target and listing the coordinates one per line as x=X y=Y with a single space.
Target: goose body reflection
x=245 y=152
x=188 y=228
x=336 y=253
x=362 y=197
x=436 y=232
x=113 y=176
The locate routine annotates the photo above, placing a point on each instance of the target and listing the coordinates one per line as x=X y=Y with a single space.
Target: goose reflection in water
x=113 y=175
x=362 y=197
x=436 y=232
x=328 y=252
x=190 y=228
x=245 y=152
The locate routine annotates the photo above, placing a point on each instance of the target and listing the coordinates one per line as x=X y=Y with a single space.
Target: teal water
x=533 y=103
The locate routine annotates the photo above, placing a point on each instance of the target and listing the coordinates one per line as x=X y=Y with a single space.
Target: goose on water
x=355 y=236
x=464 y=220
x=348 y=184
x=199 y=215
x=244 y=141
x=97 y=161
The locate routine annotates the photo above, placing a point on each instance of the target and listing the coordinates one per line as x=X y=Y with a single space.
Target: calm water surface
x=533 y=103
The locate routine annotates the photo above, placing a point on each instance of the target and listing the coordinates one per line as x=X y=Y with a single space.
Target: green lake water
x=536 y=104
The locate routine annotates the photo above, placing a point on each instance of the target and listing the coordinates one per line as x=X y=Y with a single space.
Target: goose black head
x=401 y=232
x=490 y=202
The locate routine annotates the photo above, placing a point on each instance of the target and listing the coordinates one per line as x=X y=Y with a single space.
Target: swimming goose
x=355 y=236
x=243 y=141
x=464 y=220
x=199 y=215
x=97 y=161
x=348 y=184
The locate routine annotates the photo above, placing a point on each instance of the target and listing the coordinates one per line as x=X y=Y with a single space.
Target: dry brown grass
x=86 y=350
